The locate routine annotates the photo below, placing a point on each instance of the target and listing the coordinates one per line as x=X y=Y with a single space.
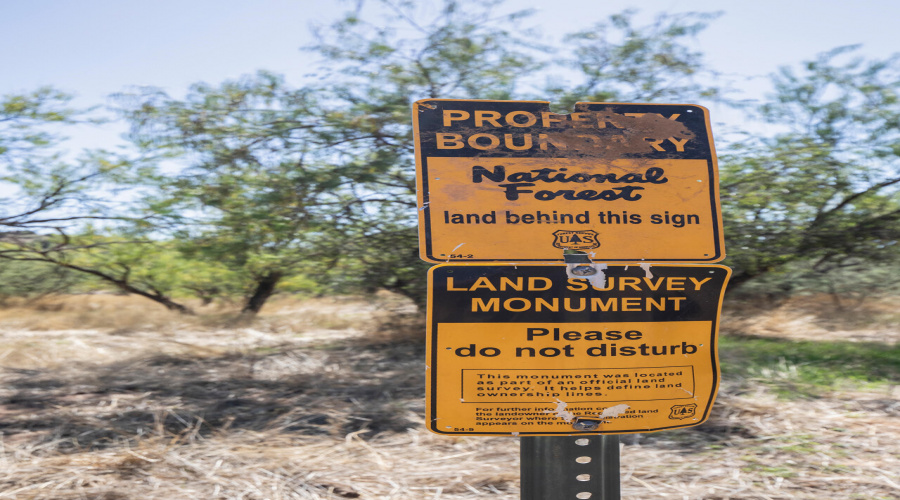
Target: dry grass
x=816 y=318
x=324 y=400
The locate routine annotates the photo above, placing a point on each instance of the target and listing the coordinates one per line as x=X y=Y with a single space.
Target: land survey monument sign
x=525 y=349
x=502 y=181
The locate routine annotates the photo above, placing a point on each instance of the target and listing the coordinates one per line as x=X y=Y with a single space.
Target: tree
x=54 y=198
x=619 y=62
x=321 y=178
x=375 y=70
x=45 y=190
x=280 y=178
x=825 y=188
x=259 y=193
x=466 y=50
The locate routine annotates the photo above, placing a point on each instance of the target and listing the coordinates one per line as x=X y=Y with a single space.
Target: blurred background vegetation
x=250 y=187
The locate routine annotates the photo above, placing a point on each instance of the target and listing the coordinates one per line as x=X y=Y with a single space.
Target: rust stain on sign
x=615 y=135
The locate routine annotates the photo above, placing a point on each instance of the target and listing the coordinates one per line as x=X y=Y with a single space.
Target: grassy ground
x=107 y=397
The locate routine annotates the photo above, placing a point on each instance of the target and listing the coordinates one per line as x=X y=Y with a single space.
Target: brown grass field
x=111 y=397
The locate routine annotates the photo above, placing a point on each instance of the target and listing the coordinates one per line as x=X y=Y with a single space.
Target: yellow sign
x=529 y=350
x=502 y=181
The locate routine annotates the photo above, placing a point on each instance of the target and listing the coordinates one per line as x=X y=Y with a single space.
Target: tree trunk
x=265 y=286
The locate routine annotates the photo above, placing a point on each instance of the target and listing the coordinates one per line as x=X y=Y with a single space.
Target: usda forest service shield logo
x=683 y=411
x=575 y=240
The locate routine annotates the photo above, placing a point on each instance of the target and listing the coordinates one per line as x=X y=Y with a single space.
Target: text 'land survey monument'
x=525 y=349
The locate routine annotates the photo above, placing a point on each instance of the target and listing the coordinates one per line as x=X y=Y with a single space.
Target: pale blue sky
x=96 y=47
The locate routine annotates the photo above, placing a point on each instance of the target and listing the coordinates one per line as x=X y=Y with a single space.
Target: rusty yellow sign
x=530 y=350
x=502 y=181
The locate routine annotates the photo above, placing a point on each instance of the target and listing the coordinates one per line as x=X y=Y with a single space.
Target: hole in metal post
x=582 y=441
x=583 y=477
x=583 y=494
x=583 y=460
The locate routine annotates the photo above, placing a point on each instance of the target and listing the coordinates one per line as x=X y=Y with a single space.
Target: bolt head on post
x=586 y=425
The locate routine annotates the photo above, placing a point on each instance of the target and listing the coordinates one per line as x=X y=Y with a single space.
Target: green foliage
x=804 y=368
x=22 y=121
x=123 y=262
x=826 y=187
x=154 y=266
x=36 y=279
x=848 y=285
x=376 y=70
x=42 y=189
x=380 y=253
x=255 y=185
x=48 y=194
x=411 y=52
x=301 y=284
x=283 y=181
x=29 y=166
x=260 y=194
x=619 y=62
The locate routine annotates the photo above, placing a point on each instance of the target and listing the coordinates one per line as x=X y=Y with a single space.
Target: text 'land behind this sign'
x=525 y=349
x=502 y=181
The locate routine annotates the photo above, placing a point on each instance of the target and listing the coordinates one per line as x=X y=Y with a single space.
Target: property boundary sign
x=502 y=181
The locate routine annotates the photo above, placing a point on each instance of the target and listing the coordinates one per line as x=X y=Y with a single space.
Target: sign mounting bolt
x=586 y=425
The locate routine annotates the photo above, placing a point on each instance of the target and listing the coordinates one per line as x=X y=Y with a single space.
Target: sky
x=93 y=48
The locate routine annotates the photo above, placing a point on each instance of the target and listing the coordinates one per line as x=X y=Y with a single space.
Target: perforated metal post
x=570 y=467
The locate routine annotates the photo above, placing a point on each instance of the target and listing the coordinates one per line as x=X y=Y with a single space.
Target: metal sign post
x=573 y=466
x=567 y=351
x=570 y=467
